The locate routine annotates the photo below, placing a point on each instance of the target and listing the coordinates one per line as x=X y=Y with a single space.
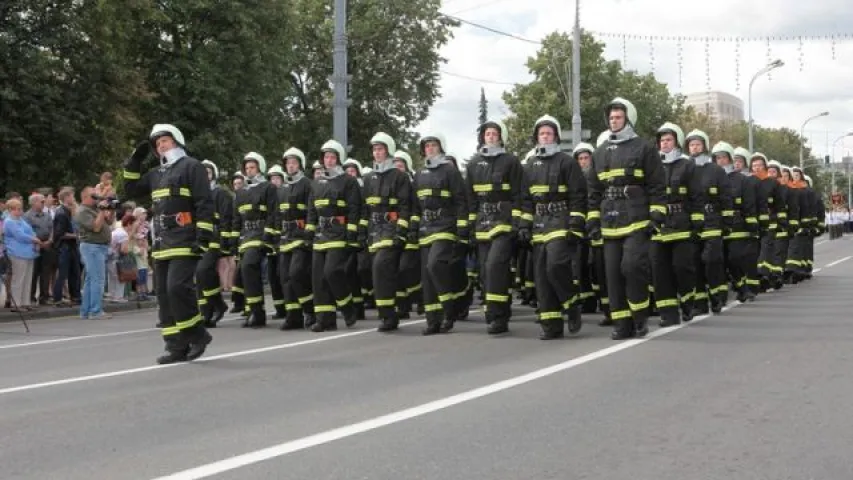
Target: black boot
x=327 y=322
x=350 y=315
x=218 y=310
x=716 y=305
x=236 y=308
x=280 y=313
x=293 y=321
x=389 y=323
x=669 y=318
x=624 y=329
x=310 y=320
x=359 y=311
x=551 y=329
x=498 y=326
x=258 y=316
x=197 y=348
x=573 y=319
x=176 y=350
x=641 y=324
x=433 y=325
x=206 y=312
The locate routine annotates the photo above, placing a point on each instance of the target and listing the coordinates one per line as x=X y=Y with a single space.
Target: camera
x=112 y=202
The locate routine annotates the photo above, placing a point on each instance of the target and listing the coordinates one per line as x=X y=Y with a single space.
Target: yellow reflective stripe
x=290 y=245
x=249 y=207
x=671 y=237
x=429 y=239
x=380 y=244
x=250 y=244
x=638 y=306
x=577 y=214
x=386 y=302
x=330 y=245
x=321 y=202
x=211 y=292
x=619 y=172
x=697 y=217
x=351 y=227
x=624 y=231
x=737 y=235
x=547 y=237
x=664 y=303
x=493 y=232
x=414 y=219
x=782 y=215
x=205 y=226
x=310 y=227
x=593 y=214
x=472 y=217
x=764 y=217
x=712 y=190
x=172 y=253
x=271 y=230
x=128 y=175
x=363 y=222
x=527 y=216
x=751 y=220
x=516 y=213
x=344 y=301
x=711 y=234
x=738 y=200
x=373 y=200
x=291 y=206
x=403 y=223
x=461 y=223
x=496 y=297
x=657 y=208
x=728 y=213
x=324 y=309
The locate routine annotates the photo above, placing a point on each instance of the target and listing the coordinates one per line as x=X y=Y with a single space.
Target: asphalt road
x=759 y=392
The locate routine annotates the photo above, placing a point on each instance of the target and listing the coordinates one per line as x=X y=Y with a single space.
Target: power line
x=478 y=6
x=474 y=79
x=490 y=29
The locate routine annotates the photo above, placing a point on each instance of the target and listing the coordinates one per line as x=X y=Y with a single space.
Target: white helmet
x=602 y=137
x=295 y=153
x=808 y=179
x=257 y=158
x=674 y=129
x=630 y=110
x=351 y=162
x=166 y=129
x=775 y=164
x=761 y=157
x=317 y=165
x=436 y=137
x=724 y=147
x=212 y=166
x=583 y=147
x=700 y=135
x=742 y=152
x=405 y=157
x=275 y=170
x=547 y=120
x=385 y=139
x=492 y=122
x=336 y=147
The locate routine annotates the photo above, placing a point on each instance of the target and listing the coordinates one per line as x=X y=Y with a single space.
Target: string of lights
x=725 y=38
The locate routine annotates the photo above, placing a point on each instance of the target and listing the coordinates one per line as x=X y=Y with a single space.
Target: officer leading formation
x=630 y=228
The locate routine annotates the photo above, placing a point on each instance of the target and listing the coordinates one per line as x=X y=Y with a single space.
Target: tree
x=601 y=81
x=484 y=107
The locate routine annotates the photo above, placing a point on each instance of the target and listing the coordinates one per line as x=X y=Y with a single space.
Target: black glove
x=524 y=236
x=593 y=229
x=353 y=240
x=203 y=238
x=658 y=220
x=140 y=153
x=412 y=236
x=464 y=234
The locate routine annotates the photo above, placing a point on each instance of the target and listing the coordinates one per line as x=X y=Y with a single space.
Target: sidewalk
x=7 y=316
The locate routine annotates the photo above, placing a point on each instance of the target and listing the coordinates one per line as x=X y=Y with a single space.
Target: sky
x=809 y=83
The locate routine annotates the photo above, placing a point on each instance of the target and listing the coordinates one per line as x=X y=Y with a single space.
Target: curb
x=7 y=316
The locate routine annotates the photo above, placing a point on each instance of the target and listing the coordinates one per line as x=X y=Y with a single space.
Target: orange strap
x=184 y=218
x=393 y=216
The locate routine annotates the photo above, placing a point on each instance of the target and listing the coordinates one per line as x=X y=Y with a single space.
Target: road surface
x=759 y=392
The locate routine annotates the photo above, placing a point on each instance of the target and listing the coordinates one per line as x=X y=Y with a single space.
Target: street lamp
x=770 y=66
x=822 y=114
x=832 y=182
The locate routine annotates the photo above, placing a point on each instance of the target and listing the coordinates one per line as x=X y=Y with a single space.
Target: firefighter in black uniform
x=741 y=164
x=442 y=206
x=410 y=260
x=818 y=227
x=673 y=245
x=711 y=284
x=626 y=203
x=213 y=307
x=556 y=199
x=275 y=175
x=183 y=224
x=294 y=247
x=495 y=179
x=744 y=225
x=359 y=269
x=768 y=200
x=255 y=218
x=784 y=215
x=333 y=216
x=796 y=264
x=387 y=207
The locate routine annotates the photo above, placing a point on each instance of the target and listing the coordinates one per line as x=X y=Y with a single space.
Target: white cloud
x=785 y=100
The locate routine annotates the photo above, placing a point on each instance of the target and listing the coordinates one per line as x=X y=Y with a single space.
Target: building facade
x=718 y=106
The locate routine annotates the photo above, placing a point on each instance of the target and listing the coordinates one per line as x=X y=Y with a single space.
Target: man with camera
x=93 y=218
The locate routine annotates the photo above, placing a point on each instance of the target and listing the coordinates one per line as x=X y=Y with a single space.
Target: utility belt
x=624 y=191
x=551 y=208
x=431 y=215
x=167 y=222
x=253 y=225
x=326 y=222
x=379 y=218
x=675 y=208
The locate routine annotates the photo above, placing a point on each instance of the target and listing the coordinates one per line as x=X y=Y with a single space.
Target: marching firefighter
x=768 y=195
x=463 y=280
x=213 y=307
x=183 y=220
x=741 y=166
x=626 y=203
x=358 y=267
x=744 y=223
x=442 y=208
x=784 y=215
x=592 y=262
x=276 y=175
x=294 y=245
x=557 y=201
x=409 y=291
x=818 y=227
x=255 y=218
x=333 y=216
x=495 y=177
x=801 y=195
x=673 y=243
x=387 y=207
x=711 y=284
x=238 y=299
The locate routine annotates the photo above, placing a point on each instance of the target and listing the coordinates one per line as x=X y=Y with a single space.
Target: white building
x=719 y=106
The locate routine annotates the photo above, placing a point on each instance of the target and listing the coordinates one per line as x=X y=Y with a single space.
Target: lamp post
x=832 y=165
x=770 y=66
x=802 y=128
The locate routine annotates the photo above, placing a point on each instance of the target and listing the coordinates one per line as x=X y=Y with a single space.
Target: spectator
x=43 y=266
x=105 y=188
x=120 y=245
x=10 y=196
x=3 y=260
x=94 y=236
x=68 y=253
x=140 y=250
x=22 y=246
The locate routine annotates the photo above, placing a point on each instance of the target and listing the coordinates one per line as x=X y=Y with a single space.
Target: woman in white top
x=119 y=245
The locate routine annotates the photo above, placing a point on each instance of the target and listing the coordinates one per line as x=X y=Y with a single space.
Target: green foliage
x=484 y=107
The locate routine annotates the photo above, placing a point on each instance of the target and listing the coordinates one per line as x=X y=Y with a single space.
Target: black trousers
x=554 y=277
x=598 y=272
x=176 y=296
x=711 y=282
x=276 y=288
x=329 y=282
x=753 y=279
x=252 y=276
x=628 y=272
x=385 y=273
x=673 y=276
x=364 y=265
x=43 y=268
x=207 y=277
x=354 y=280
x=409 y=286
x=238 y=293
x=294 y=271
x=780 y=253
x=765 y=258
x=443 y=294
x=495 y=257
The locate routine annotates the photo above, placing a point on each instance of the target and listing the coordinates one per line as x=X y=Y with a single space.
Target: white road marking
x=240 y=353
x=828 y=265
x=328 y=436
x=79 y=337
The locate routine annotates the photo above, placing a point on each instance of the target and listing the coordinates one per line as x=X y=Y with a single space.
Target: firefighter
x=744 y=223
x=385 y=215
x=276 y=175
x=626 y=203
x=495 y=179
x=409 y=291
x=255 y=218
x=238 y=299
x=673 y=243
x=818 y=226
x=358 y=267
x=294 y=246
x=316 y=170
x=797 y=261
x=711 y=284
x=442 y=208
x=183 y=214
x=462 y=279
x=593 y=261
x=768 y=194
x=213 y=307
x=783 y=217
x=553 y=222
x=741 y=166
x=333 y=216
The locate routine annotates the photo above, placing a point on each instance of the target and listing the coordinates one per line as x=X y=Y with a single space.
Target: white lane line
x=828 y=265
x=79 y=337
x=240 y=353
x=328 y=436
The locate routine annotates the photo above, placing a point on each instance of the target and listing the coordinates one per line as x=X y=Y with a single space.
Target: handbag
x=126 y=266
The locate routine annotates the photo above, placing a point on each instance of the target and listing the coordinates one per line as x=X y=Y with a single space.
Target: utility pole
x=576 y=77
x=340 y=76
